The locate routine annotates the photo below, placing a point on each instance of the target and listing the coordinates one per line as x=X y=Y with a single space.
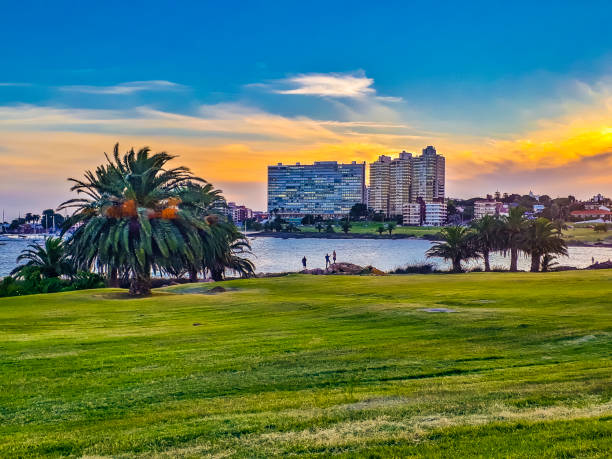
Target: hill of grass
x=513 y=365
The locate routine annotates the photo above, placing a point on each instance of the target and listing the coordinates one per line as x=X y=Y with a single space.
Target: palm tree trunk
x=140 y=284
x=113 y=280
x=513 y=259
x=535 y=262
x=216 y=274
x=193 y=275
x=485 y=255
x=457 y=265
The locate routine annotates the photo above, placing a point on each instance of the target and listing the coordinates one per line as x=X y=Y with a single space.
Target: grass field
x=587 y=235
x=371 y=227
x=314 y=365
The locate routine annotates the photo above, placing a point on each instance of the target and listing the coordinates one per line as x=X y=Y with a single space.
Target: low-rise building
x=488 y=207
x=411 y=214
x=435 y=214
x=592 y=214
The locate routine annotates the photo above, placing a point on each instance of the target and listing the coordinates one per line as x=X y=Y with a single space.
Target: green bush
x=85 y=280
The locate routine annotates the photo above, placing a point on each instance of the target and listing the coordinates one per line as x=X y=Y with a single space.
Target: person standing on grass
x=334 y=256
x=304 y=262
x=326 y=260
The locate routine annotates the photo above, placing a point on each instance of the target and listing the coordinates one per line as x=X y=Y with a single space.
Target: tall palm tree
x=130 y=218
x=51 y=259
x=542 y=239
x=487 y=236
x=514 y=227
x=457 y=245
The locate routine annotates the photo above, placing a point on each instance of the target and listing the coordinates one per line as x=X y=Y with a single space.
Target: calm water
x=279 y=255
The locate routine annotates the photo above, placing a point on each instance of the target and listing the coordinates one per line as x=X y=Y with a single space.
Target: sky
x=516 y=95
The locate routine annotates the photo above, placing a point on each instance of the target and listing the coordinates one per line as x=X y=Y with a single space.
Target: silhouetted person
x=304 y=262
x=334 y=256
x=326 y=260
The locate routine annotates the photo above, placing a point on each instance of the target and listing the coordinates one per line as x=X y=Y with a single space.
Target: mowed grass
x=314 y=365
x=372 y=227
x=586 y=235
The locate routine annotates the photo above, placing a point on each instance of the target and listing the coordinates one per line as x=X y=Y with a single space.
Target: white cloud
x=129 y=87
x=9 y=84
x=329 y=85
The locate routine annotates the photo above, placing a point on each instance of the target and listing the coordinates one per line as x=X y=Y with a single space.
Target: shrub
x=414 y=268
x=85 y=280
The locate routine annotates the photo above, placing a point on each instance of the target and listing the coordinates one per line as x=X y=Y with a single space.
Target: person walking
x=334 y=256
x=326 y=260
x=304 y=262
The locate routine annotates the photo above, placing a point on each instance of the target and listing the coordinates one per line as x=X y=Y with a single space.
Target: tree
x=601 y=228
x=129 y=219
x=487 y=237
x=380 y=229
x=308 y=219
x=319 y=227
x=390 y=227
x=514 y=226
x=457 y=245
x=329 y=228
x=345 y=225
x=51 y=259
x=540 y=239
x=358 y=210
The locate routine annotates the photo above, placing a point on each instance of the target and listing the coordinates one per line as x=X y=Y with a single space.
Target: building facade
x=406 y=179
x=428 y=175
x=400 y=183
x=378 y=193
x=325 y=188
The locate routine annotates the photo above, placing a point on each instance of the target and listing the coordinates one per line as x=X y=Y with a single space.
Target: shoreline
x=431 y=238
x=312 y=235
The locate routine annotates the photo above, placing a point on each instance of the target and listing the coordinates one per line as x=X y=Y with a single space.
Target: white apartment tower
x=400 y=183
x=378 y=196
x=406 y=179
x=428 y=176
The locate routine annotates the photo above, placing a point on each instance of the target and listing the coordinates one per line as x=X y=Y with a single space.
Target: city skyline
x=514 y=101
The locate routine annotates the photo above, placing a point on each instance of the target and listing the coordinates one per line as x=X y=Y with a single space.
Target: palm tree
x=457 y=245
x=542 y=239
x=380 y=229
x=319 y=227
x=390 y=227
x=51 y=259
x=488 y=232
x=130 y=219
x=514 y=227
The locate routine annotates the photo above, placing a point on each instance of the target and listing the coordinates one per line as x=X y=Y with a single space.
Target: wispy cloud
x=11 y=85
x=129 y=87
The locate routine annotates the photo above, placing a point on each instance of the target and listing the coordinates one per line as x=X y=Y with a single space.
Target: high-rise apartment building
x=428 y=176
x=378 y=195
x=397 y=182
x=400 y=183
x=324 y=188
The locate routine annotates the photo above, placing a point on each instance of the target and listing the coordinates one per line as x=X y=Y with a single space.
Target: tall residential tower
x=406 y=179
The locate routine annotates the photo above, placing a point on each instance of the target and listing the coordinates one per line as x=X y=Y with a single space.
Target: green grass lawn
x=314 y=365
x=371 y=227
x=587 y=235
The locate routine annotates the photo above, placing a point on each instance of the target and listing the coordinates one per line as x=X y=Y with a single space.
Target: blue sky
x=347 y=78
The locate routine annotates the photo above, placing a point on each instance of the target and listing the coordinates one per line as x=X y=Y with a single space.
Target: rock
x=344 y=268
x=376 y=271
x=314 y=271
x=602 y=265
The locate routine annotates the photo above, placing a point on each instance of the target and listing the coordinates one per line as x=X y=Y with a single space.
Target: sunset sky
x=516 y=95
